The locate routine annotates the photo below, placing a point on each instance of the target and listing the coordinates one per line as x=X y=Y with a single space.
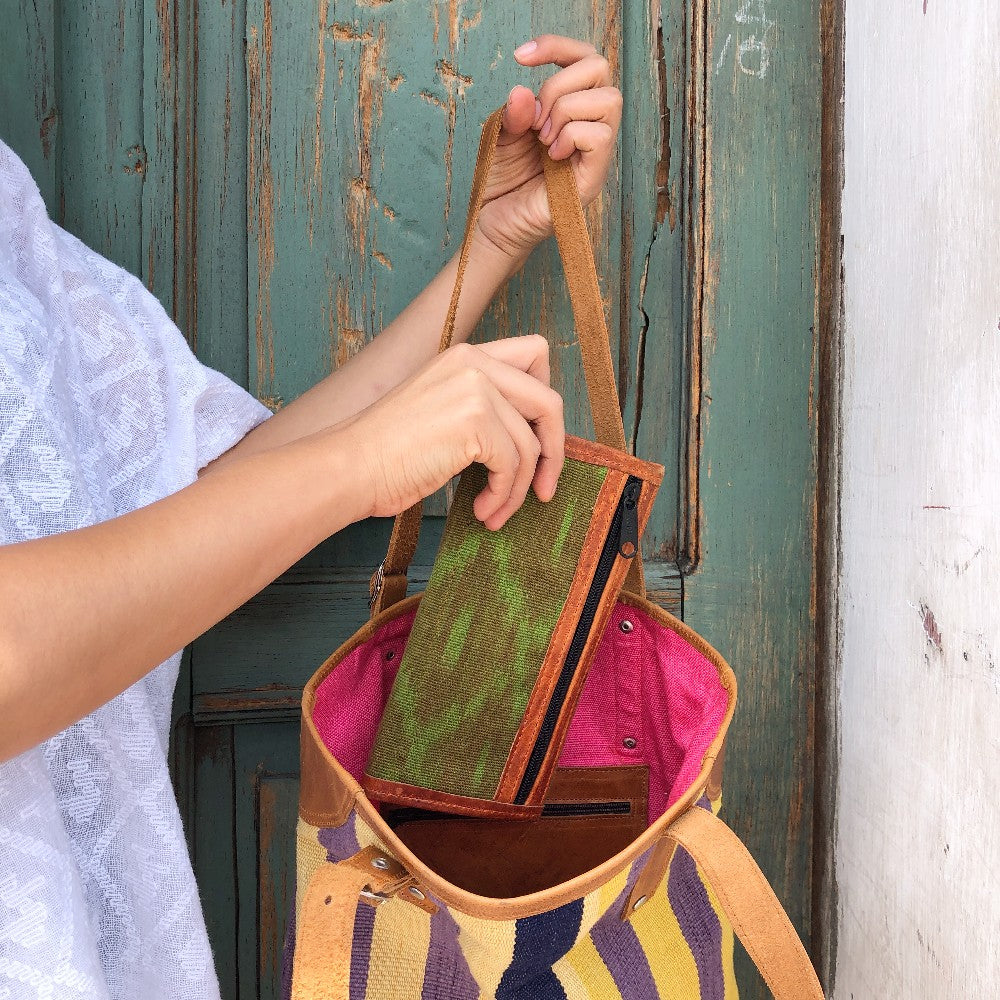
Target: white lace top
x=103 y=409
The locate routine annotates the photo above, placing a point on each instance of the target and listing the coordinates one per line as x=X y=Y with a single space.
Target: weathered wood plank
x=655 y=280
x=277 y=810
x=102 y=157
x=220 y=331
x=29 y=113
x=751 y=592
x=266 y=799
x=214 y=849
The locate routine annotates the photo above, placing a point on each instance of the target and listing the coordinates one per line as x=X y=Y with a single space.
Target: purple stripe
x=620 y=948
x=361 y=949
x=447 y=975
x=341 y=842
x=699 y=923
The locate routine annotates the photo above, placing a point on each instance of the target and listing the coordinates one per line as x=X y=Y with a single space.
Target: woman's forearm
x=86 y=613
x=393 y=356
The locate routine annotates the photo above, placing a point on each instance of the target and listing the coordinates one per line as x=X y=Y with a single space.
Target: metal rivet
x=638 y=902
x=414 y=891
x=382 y=864
x=628 y=743
x=390 y=656
x=626 y=626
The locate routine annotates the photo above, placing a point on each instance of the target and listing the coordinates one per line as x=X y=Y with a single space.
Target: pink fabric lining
x=646 y=685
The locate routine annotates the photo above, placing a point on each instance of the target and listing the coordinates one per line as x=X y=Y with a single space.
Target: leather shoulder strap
x=389 y=583
x=750 y=903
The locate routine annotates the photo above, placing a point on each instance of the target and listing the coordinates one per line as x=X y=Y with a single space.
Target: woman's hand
x=490 y=404
x=576 y=114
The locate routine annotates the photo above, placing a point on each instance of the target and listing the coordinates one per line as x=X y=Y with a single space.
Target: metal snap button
x=629 y=743
x=382 y=864
x=626 y=626
x=416 y=893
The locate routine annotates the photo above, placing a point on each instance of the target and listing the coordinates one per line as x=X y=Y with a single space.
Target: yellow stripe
x=594 y=905
x=488 y=947
x=400 y=940
x=728 y=972
x=609 y=892
x=573 y=986
x=589 y=968
x=309 y=855
x=670 y=959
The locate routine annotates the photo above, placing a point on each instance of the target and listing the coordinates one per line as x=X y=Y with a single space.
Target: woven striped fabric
x=677 y=946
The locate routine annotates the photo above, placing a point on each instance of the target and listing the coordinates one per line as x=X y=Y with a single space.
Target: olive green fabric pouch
x=503 y=637
x=510 y=620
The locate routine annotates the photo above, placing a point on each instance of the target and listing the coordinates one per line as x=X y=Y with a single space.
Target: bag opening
x=651 y=698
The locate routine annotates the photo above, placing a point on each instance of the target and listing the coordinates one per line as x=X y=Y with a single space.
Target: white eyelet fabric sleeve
x=103 y=409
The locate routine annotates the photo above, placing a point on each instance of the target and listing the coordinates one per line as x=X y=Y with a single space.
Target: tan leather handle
x=750 y=903
x=389 y=583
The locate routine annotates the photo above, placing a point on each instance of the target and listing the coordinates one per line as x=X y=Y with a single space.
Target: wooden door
x=287 y=174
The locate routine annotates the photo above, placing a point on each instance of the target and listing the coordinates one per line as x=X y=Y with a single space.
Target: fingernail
x=546 y=128
x=525 y=50
x=538 y=113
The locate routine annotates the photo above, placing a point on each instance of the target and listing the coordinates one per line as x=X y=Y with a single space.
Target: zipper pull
x=628 y=535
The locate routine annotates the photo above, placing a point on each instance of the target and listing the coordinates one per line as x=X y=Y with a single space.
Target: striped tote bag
x=622 y=885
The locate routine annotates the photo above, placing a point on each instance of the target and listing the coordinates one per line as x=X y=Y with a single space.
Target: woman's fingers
x=587 y=137
x=590 y=73
x=490 y=404
x=540 y=405
x=601 y=105
x=510 y=474
x=529 y=353
x=519 y=114
x=556 y=49
x=508 y=364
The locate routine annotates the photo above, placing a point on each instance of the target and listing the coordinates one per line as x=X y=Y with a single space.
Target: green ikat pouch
x=503 y=637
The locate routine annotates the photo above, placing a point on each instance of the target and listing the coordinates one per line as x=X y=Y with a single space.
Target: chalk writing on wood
x=751 y=42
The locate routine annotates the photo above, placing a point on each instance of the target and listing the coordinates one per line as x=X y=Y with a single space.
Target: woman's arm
x=408 y=342
x=576 y=114
x=86 y=613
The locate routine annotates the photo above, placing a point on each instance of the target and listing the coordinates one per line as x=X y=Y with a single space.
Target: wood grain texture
x=29 y=115
x=752 y=451
x=918 y=843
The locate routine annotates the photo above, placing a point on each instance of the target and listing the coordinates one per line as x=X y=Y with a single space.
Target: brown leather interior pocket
x=590 y=814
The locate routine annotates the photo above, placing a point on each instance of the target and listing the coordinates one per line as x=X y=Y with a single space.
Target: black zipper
x=622 y=541
x=622 y=807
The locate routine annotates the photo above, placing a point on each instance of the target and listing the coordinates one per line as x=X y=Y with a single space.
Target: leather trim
x=652 y=874
x=562 y=636
x=326 y=791
x=389 y=878
x=714 y=788
x=611 y=458
x=391 y=591
x=538 y=902
x=430 y=798
x=612 y=593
